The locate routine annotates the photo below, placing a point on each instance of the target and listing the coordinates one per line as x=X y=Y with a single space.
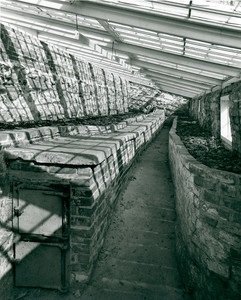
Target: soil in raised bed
x=95 y=120
x=205 y=148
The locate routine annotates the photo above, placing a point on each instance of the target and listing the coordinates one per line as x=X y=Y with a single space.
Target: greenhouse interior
x=120 y=160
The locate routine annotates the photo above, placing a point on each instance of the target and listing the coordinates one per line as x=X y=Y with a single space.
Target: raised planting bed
x=208 y=206
x=205 y=148
x=95 y=120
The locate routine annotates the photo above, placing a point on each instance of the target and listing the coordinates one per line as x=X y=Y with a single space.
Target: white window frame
x=225 y=124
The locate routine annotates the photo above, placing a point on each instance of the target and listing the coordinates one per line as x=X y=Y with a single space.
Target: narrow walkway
x=137 y=261
x=138 y=257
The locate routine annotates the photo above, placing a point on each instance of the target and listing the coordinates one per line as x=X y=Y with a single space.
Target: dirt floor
x=205 y=148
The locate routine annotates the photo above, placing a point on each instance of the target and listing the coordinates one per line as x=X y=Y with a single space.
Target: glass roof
x=220 y=12
x=52 y=14
x=181 y=67
x=53 y=24
x=178 y=45
x=147 y=38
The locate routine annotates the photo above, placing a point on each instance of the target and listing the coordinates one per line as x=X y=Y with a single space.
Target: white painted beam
x=164 y=24
x=71 y=42
x=178 y=59
x=175 y=72
x=174 y=91
x=188 y=90
x=152 y=21
x=175 y=85
x=74 y=42
x=110 y=30
x=178 y=80
x=45 y=22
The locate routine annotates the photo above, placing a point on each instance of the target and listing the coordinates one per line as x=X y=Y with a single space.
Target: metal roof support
x=151 y=21
x=195 y=91
x=175 y=91
x=46 y=22
x=184 y=82
x=178 y=86
x=77 y=43
x=110 y=30
x=178 y=59
x=74 y=42
x=175 y=72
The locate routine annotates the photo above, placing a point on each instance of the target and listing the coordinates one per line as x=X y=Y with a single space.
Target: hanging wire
x=112 y=49
x=76 y=20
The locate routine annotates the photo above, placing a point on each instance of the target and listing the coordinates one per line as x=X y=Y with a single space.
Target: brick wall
x=91 y=214
x=206 y=109
x=143 y=98
x=208 y=203
x=39 y=81
x=6 y=234
x=89 y=164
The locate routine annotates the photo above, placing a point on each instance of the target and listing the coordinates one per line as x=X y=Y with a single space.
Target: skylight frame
x=174 y=66
x=197 y=8
x=169 y=44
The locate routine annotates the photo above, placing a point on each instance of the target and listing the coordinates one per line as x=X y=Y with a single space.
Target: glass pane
x=180 y=11
x=228 y=5
x=233 y=20
x=203 y=15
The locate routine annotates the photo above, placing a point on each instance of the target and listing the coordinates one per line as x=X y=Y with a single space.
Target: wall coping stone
x=17 y=137
x=93 y=177
x=77 y=150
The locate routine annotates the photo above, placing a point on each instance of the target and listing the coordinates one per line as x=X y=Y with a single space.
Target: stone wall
x=206 y=109
x=142 y=97
x=6 y=234
x=145 y=99
x=39 y=81
x=90 y=162
x=208 y=203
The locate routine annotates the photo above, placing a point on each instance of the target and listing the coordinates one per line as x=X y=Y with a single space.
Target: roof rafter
x=194 y=7
x=175 y=72
x=171 y=28
x=178 y=80
x=174 y=91
x=174 y=26
x=151 y=21
x=75 y=42
x=178 y=59
x=82 y=41
x=46 y=22
x=177 y=86
x=110 y=30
